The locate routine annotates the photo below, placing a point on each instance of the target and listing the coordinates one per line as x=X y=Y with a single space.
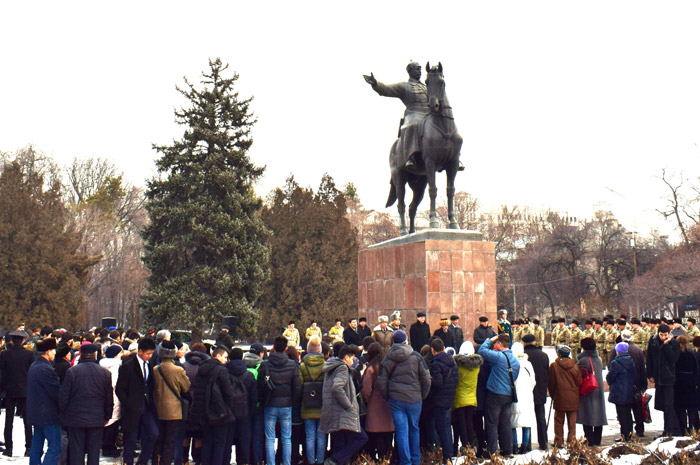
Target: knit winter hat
x=113 y=350
x=399 y=336
x=467 y=348
x=621 y=348
x=563 y=351
x=314 y=345
x=167 y=350
x=588 y=343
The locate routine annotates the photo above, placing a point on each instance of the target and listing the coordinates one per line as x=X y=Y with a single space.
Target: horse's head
x=435 y=82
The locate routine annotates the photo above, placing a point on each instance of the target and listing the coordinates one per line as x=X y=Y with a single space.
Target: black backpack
x=240 y=397
x=215 y=408
x=312 y=391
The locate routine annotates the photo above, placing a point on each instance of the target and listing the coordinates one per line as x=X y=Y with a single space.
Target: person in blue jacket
x=42 y=405
x=499 y=399
x=621 y=379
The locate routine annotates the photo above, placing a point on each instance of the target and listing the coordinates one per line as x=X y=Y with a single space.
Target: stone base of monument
x=440 y=272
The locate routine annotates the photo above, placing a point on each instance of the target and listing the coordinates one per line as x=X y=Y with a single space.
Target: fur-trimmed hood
x=469 y=361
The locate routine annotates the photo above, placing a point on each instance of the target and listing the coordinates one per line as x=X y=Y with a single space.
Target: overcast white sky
x=558 y=102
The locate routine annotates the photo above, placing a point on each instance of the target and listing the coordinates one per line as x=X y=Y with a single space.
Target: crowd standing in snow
x=387 y=392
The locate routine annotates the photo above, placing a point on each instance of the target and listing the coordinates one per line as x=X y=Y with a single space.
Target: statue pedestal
x=440 y=272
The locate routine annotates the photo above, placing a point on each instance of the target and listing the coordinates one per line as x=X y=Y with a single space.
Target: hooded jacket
x=238 y=369
x=522 y=413
x=468 y=367
x=403 y=375
x=284 y=374
x=311 y=369
x=445 y=377
x=340 y=410
x=564 y=384
x=621 y=376
x=215 y=370
x=113 y=364
x=192 y=361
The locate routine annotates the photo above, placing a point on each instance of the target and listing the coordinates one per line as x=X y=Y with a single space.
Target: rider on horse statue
x=414 y=95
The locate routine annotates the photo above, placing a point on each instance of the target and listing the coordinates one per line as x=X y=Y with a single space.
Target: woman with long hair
x=379 y=422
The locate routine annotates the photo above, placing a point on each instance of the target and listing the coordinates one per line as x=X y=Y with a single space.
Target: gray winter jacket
x=340 y=410
x=403 y=375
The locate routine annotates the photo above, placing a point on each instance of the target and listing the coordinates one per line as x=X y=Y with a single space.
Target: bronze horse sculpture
x=440 y=150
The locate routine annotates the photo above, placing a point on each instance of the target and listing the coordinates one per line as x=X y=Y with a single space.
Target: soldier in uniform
x=516 y=330
x=637 y=333
x=414 y=96
x=563 y=334
x=526 y=328
x=589 y=331
x=610 y=339
x=692 y=331
x=555 y=332
x=575 y=338
x=599 y=336
x=538 y=333
x=503 y=324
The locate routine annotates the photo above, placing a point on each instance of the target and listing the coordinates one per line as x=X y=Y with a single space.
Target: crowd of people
x=389 y=392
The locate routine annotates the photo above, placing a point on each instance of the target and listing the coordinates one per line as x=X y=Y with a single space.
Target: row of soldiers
x=605 y=331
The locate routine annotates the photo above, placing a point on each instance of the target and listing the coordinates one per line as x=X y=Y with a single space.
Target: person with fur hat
x=171 y=384
x=591 y=409
x=383 y=333
x=396 y=321
x=85 y=415
x=575 y=336
x=564 y=384
x=445 y=377
x=620 y=378
x=404 y=379
x=311 y=371
x=62 y=361
x=14 y=366
x=691 y=332
x=112 y=360
x=468 y=365
x=522 y=412
x=42 y=405
x=443 y=331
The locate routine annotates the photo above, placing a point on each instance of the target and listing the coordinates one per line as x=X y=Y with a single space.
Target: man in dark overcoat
x=14 y=365
x=662 y=354
x=135 y=392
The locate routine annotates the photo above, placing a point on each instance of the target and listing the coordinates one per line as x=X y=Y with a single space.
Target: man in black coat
x=42 y=405
x=482 y=332
x=350 y=335
x=540 y=363
x=216 y=417
x=283 y=373
x=455 y=337
x=14 y=366
x=363 y=330
x=241 y=432
x=420 y=333
x=662 y=354
x=135 y=392
x=445 y=377
x=85 y=401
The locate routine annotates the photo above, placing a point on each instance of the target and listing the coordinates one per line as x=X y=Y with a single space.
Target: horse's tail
x=392 y=195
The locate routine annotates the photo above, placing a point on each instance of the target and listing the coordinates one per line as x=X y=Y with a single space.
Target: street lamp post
x=633 y=244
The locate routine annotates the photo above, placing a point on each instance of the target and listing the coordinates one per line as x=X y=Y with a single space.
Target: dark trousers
x=463 y=427
x=498 y=428
x=664 y=402
x=109 y=438
x=149 y=434
x=165 y=445
x=624 y=416
x=687 y=419
x=351 y=442
x=541 y=426
x=215 y=444
x=84 y=440
x=19 y=405
x=178 y=456
x=379 y=445
x=638 y=417
x=257 y=426
x=441 y=417
x=479 y=430
x=242 y=437
x=594 y=434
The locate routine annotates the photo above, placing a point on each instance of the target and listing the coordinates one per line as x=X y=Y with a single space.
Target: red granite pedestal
x=439 y=272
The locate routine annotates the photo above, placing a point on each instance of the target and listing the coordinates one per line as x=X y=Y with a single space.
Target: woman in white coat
x=522 y=413
x=112 y=360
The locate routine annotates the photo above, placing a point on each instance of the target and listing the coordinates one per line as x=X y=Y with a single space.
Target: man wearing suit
x=135 y=392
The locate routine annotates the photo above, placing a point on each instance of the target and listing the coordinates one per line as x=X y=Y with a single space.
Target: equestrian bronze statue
x=428 y=142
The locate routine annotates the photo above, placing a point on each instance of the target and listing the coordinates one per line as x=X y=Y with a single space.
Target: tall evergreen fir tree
x=206 y=244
